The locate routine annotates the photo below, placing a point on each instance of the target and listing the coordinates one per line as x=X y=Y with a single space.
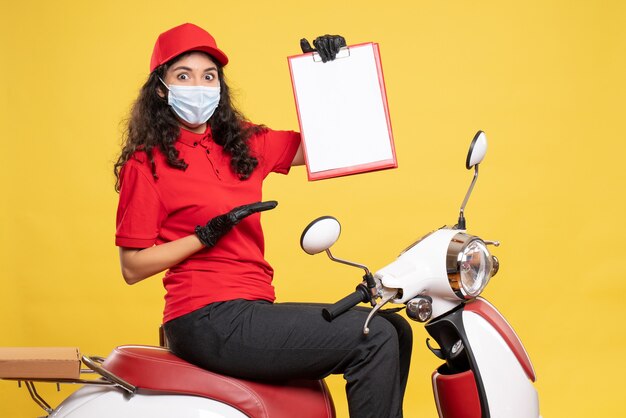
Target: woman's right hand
x=217 y=227
x=327 y=46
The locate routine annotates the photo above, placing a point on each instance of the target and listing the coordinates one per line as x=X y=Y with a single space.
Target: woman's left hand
x=327 y=46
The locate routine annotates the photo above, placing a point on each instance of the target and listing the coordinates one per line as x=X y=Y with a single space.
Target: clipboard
x=343 y=112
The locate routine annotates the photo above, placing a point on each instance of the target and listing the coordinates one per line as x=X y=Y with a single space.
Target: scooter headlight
x=469 y=264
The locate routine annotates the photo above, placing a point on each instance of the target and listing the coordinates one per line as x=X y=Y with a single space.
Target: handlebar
x=361 y=294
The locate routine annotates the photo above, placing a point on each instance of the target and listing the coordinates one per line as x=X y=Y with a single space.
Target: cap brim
x=214 y=52
x=217 y=54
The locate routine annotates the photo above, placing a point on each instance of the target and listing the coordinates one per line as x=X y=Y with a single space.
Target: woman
x=189 y=157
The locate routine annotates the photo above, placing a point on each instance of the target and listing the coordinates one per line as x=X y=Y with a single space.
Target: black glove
x=327 y=46
x=217 y=227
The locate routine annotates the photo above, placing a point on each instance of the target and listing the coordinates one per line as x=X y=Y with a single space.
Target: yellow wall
x=544 y=79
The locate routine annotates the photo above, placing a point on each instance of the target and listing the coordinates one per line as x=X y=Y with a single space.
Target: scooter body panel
x=509 y=391
x=109 y=402
x=488 y=312
x=496 y=361
x=456 y=395
x=421 y=269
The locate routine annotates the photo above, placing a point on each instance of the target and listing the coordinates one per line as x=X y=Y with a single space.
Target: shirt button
x=195 y=144
x=208 y=152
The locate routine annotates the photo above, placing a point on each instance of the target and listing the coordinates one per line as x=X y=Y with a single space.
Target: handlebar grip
x=361 y=294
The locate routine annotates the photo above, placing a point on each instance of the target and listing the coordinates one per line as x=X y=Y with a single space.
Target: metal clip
x=344 y=52
x=94 y=363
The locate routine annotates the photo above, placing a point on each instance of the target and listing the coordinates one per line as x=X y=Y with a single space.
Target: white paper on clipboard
x=343 y=114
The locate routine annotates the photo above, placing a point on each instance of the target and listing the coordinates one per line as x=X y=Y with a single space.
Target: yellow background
x=543 y=79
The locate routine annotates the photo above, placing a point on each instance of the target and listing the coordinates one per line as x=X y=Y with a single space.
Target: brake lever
x=375 y=309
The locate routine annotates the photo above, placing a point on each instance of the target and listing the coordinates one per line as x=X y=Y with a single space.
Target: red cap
x=183 y=38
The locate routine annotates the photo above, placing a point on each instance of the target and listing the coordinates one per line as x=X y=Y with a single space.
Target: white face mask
x=193 y=104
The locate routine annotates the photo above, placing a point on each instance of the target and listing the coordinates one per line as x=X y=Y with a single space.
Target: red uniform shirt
x=153 y=212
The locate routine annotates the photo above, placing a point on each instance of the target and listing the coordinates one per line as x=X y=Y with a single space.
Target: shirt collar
x=191 y=138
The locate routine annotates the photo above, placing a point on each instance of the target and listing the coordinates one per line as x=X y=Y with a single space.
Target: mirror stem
x=349 y=263
x=461 y=223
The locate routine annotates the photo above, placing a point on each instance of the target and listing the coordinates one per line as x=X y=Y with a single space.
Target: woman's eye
x=209 y=77
x=183 y=77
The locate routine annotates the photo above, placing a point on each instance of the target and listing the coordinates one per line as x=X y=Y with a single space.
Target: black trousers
x=265 y=341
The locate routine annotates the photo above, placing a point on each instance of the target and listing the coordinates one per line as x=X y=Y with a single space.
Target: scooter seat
x=157 y=369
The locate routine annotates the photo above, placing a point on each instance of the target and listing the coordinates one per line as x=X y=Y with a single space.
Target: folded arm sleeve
x=279 y=150
x=140 y=211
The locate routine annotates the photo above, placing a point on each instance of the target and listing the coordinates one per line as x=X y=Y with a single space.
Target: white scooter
x=487 y=372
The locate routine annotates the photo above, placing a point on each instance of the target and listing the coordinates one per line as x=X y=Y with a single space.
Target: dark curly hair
x=152 y=124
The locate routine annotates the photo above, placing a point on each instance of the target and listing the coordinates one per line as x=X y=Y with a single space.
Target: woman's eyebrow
x=182 y=67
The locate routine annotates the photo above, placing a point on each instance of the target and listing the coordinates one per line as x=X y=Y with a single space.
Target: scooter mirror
x=320 y=235
x=477 y=150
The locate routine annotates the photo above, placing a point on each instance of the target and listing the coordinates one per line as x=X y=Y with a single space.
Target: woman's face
x=193 y=69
